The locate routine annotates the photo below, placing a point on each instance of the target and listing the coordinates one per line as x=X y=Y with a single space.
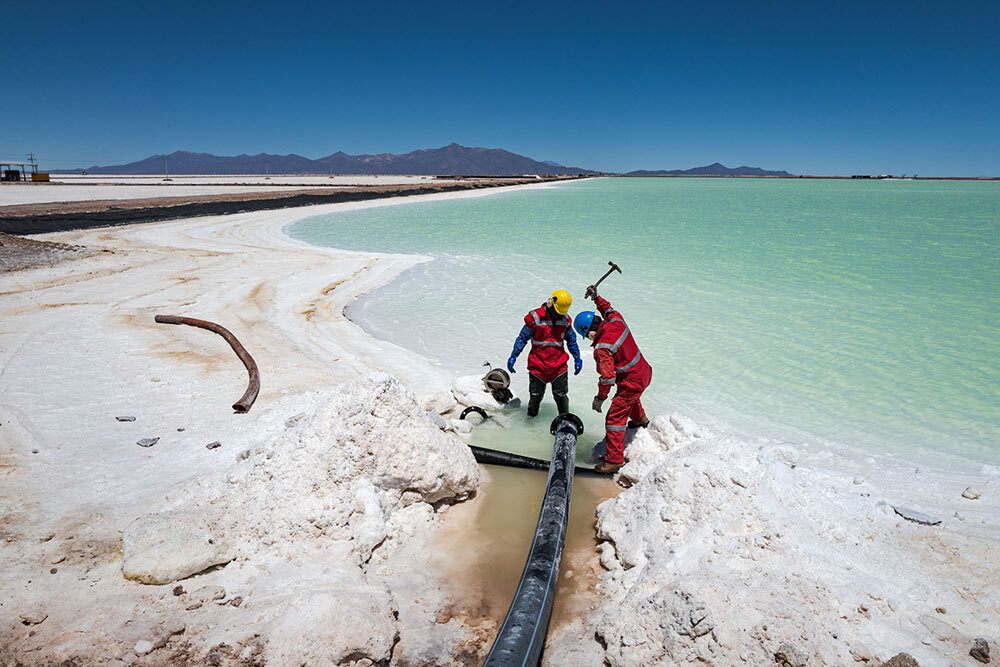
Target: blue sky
x=815 y=88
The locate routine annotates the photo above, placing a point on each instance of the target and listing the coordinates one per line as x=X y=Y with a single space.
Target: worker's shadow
x=601 y=448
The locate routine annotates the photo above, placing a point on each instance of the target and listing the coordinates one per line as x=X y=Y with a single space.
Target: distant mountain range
x=714 y=169
x=452 y=159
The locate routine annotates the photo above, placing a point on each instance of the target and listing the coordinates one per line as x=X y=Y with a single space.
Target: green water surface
x=857 y=313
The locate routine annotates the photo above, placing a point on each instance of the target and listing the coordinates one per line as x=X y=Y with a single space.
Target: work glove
x=596 y=405
x=591 y=292
x=510 y=364
x=577 y=366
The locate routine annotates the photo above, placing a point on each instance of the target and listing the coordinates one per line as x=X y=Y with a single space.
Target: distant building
x=861 y=176
x=19 y=171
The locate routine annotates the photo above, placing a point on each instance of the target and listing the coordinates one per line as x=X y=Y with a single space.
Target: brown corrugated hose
x=246 y=401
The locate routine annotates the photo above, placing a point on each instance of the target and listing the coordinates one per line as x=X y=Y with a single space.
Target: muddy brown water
x=483 y=547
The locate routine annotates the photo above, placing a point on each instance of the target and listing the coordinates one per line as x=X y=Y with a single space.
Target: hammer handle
x=610 y=271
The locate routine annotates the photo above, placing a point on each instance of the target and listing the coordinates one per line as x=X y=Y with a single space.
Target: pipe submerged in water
x=522 y=635
x=511 y=460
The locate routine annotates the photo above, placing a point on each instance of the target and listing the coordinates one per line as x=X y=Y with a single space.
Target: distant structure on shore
x=11 y=170
x=882 y=177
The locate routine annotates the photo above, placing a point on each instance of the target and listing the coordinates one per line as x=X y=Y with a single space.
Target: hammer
x=592 y=290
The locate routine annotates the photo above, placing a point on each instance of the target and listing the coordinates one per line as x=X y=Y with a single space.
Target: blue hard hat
x=583 y=321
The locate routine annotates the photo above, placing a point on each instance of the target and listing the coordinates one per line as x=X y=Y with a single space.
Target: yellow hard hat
x=561 y=301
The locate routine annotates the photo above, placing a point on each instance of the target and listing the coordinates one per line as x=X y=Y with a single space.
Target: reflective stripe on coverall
x=547 y=358
x=619 y=362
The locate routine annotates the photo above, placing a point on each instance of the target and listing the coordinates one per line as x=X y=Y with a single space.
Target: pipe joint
x=567 y=421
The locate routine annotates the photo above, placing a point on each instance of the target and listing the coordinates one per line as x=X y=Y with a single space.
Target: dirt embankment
x=67 y=216
x=18 y=253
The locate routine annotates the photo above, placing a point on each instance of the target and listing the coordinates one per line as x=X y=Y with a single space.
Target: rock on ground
x=789 y=656
x=34 y=617
x=900 y=660
x=164 y=547
x=980 y=650
x=143 y=646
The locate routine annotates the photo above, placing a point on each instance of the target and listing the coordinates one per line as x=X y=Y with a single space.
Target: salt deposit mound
x=722 y=550
x=300 y=511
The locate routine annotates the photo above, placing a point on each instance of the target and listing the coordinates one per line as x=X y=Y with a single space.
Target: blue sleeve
x=522 y=340
x=570 y=338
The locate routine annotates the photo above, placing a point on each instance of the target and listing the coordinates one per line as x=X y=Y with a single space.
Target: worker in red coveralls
x=620 y=363
x=546 y=328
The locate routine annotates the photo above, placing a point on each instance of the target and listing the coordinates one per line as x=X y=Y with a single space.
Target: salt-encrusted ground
x=722 y=550
x=283 y=534
x=266 y=557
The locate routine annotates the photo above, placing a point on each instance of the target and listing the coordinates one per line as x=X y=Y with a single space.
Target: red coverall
x=547 y=358
x=619 y=362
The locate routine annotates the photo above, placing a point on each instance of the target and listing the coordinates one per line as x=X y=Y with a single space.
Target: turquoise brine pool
x=856 y=313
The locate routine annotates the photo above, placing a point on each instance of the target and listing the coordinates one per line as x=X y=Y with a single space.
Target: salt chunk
x=163 y=547
x=143 y=646
x=437 y=420
x=916 y=517
x=34 y=617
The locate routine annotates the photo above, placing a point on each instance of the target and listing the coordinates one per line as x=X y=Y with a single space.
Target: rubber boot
x=562 y=403
x=534 y=400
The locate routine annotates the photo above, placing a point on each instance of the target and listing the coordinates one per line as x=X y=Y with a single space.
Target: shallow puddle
x=484 y=544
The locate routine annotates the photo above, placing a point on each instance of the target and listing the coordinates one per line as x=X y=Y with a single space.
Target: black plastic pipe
x=522 y=635
x=498 y=458
x=511 y=460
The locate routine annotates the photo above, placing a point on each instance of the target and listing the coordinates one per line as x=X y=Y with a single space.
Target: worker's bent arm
x=603 y=306
x=570 y=338
x=605 y=363
x=522 y=339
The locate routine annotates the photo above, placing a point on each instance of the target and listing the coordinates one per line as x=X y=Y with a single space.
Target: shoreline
x=309 y=299
x=43 y=218
x=828 y=178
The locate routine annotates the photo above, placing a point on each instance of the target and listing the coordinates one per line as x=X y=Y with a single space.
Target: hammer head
x=614 y=266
